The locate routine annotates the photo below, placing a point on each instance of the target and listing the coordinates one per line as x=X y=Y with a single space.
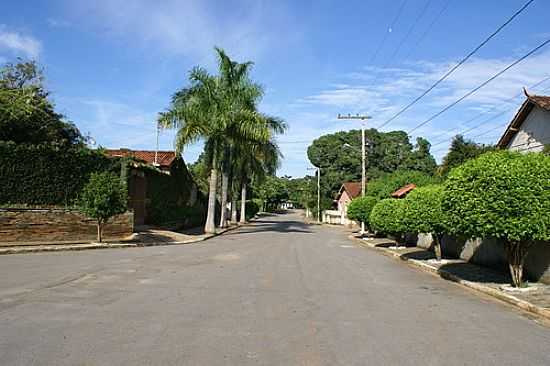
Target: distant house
x=160 y=187
x=529 y=130
x=403 y=191
x=348 y=191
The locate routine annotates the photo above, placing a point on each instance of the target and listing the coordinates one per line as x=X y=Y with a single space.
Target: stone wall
x=57 y=225
x=490 y=253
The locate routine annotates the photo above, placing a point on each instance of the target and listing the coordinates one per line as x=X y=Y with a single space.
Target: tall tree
x=220 y=109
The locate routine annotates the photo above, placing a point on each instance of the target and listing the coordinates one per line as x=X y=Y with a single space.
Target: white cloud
x=19 y=44
x=192 y=27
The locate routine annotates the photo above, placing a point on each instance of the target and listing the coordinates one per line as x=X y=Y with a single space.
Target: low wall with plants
x=26 y=226
x=44 y=175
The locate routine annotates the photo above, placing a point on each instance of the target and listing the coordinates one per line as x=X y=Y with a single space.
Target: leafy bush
x=504 y=195
x=103 y=197
x=360 y=208
x=423 y=213
x=383 y=187
x=252 y=208
x=387 y=217
x=47 y=175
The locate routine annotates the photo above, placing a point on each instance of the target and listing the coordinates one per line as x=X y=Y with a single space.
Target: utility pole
x=318 y=170
x=157 y=147
x=363 y=118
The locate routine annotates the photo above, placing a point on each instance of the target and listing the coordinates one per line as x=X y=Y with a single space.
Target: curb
x=510 y=299
x=91 y=246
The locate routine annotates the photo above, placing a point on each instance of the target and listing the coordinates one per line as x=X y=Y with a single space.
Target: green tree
x=339 y=156
x=384 y=186
x=221 y=110
x=461 y=150
x=359 y=209
x=103 y=197
x=503 y=195
x=27 y=116
x=423 y=214
x=387 y=217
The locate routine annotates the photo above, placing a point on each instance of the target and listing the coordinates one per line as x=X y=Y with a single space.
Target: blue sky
x=112 y=65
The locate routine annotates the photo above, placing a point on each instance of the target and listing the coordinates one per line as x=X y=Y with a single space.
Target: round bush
x=504 y=195
x=360 y=208
x=423 y=213
x=387 y=216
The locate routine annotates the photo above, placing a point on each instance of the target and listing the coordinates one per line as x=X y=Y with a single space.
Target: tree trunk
x=516 y=252
x=233 y=208
x=243 y=203
x=210 y=226
x=99 y=231
x=437 y=246
x=225 y=186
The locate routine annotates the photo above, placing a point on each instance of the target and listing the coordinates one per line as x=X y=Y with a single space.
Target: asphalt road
x=277 y=293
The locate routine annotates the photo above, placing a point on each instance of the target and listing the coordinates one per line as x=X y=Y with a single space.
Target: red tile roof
x=403 y=191
x=164 y=158
x=353 y=189
x=540 y=101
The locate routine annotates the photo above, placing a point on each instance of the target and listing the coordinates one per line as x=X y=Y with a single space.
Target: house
x=160 y=188
x=160 y=159
x=529 y=130
x=403 y=191
x=348 y=191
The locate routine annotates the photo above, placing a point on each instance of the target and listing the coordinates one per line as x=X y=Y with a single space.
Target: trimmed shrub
x=360 y=208
x=387 y=217
x=423 y=214
x=252 y=207
x=504 y=195
x=103 y=197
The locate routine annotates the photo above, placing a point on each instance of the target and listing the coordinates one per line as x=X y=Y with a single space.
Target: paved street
x=276 y=293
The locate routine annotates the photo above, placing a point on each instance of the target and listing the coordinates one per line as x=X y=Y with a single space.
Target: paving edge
x=501 y=295
x=90 y=246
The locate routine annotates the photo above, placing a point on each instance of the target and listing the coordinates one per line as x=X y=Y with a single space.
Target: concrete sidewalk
x=535 y=298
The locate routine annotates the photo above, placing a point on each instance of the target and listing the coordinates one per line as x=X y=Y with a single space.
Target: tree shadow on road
x=274 y=226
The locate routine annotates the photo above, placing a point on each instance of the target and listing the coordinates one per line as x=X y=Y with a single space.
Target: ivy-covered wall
x=47 y=175
x=173 y=199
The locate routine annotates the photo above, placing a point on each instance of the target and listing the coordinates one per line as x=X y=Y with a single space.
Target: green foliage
x=384 y=186
x=461 y=150
x=387 y=216
x=252 y=208
x=46 y=174
x=103 y=197
x=360 y=208
x=500 y=194
x=272 y=191
x=423 y=213
x=339 y=156
x=168 y=197
x=27 y=115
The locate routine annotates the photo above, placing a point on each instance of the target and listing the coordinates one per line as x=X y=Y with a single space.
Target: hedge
x=359 y=209
x=47 y=175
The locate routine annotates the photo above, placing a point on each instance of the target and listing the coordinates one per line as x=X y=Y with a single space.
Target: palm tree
x=220 y=110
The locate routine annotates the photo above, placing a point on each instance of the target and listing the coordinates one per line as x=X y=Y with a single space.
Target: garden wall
x=25 y=226
x=490 y=253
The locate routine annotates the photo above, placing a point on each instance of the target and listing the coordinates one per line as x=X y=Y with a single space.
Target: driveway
x=278 y=292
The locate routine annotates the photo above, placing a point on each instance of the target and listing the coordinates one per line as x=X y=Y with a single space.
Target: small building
x=403 y=191
x=348 y=192
x=160 y=188
x=529 y=130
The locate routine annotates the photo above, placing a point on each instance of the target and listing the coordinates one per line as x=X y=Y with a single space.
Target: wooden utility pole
x=363 y=118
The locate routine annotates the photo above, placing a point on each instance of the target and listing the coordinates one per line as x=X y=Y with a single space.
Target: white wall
x=533 y=133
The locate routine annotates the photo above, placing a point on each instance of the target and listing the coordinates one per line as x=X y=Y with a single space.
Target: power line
x=458 y=64
x=437 y=142
x=480 y=86
x=388 y=31
x=434 y=21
